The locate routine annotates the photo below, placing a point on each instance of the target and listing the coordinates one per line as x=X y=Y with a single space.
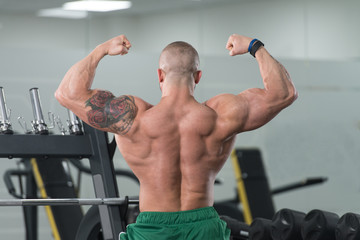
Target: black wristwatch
x=256 y=47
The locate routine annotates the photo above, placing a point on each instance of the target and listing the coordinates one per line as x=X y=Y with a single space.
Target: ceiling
x=138 y=6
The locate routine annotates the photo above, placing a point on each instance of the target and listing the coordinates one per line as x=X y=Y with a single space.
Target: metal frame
x=93 y=145
x=46 y=146
x=65 y=201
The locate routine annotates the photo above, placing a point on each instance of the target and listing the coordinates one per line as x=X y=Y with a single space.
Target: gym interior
x=316 y=138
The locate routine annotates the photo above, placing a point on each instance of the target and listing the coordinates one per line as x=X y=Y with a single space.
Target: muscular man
x=177 y=147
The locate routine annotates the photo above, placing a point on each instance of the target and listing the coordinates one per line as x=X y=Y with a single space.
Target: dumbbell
x=260 y=229
x=348 y=227
x=319 y=225
x=239 y=230
x=286 y=225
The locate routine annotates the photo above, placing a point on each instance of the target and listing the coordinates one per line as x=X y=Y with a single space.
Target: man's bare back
x=175 y=151
x=177 y=147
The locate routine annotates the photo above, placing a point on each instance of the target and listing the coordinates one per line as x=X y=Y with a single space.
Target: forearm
x=77 y=81
x=276 y=79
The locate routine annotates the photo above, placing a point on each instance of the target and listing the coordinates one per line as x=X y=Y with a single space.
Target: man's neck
x=178 y=87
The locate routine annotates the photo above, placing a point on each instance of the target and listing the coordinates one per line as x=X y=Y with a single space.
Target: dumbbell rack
x=93 y=145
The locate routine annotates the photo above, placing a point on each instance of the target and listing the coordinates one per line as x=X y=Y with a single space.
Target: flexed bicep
x=110 y=113
x=263 y=106
x=243 y=112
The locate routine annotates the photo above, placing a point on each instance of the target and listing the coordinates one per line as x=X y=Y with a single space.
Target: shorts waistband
x=180 y=217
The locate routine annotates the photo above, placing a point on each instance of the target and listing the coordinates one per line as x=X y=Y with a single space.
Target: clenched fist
x=119 y=45
x=238 y=44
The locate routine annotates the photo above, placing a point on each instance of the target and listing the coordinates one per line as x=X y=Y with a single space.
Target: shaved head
x=179 y=58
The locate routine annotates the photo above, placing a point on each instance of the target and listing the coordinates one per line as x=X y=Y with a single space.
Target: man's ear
x=161 y=75
x=197 y=76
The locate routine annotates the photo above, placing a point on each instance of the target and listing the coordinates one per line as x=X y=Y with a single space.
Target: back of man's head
x=179 y=58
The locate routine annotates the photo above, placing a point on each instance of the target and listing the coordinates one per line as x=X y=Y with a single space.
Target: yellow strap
x=241 y=188
x=43 y=194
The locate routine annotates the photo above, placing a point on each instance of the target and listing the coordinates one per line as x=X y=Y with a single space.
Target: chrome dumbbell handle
x=5 y=125
x=74 y=123
x=38 y=123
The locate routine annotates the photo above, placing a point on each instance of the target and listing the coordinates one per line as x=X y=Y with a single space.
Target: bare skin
x=177 y=147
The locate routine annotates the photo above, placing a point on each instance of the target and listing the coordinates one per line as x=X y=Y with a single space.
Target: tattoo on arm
x=107 y=111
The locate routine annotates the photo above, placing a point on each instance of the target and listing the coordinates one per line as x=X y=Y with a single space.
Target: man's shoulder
x=141 y=104
x=220 y=101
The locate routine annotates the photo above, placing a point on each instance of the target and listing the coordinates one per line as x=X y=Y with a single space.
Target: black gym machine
x=44 y=152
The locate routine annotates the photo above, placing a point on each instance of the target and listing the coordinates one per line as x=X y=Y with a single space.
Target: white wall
x=315 y=40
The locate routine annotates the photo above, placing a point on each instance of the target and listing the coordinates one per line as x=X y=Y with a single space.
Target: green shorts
x=202 y=223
